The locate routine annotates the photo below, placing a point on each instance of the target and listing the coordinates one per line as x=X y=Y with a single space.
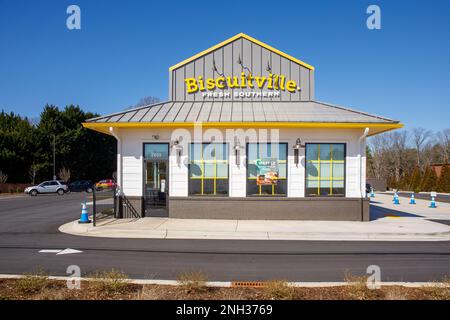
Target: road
x=29 y=224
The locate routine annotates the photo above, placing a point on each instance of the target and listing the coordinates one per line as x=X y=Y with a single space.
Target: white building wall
x=238 y=173
x=363 y=166
x=131 y=165
x=133 y=168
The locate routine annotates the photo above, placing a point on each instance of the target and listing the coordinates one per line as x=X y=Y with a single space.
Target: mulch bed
x=57 y=290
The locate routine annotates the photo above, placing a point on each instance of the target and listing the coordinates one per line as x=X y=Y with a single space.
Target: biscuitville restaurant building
x=242 y=137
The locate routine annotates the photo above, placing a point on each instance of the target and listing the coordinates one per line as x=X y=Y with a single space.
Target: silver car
x=53 y=186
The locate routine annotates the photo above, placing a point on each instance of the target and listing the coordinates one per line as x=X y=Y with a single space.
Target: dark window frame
x=144 y=161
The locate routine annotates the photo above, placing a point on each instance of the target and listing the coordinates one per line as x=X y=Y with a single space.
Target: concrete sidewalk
x=390 y=222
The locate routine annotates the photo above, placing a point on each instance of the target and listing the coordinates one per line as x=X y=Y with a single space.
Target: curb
x=74 y=228
x=226 y=284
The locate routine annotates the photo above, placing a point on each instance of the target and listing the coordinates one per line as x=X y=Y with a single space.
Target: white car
x=53 y=186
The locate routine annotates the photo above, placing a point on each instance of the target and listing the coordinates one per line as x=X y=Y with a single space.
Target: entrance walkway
x=389 y=222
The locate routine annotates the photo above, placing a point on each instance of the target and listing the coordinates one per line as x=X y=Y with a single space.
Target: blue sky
x=124 y=49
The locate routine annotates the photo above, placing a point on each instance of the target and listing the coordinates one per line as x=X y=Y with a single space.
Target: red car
x=105 y=184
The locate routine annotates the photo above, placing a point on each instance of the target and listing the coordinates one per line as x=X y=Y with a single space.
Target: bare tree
x=396 y=154
x=428 y=153
x=3 y=177
x=399 y=141
x=378 y=147
x=444 y=144
x=64 y=174
x=148 y=100
x=32 y=172
x=145 y=101
x=419 y=137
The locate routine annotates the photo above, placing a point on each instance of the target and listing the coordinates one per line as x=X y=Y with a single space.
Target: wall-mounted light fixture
x=155 y=136
x=297 y=146
x=178 y=149
x=237 y=152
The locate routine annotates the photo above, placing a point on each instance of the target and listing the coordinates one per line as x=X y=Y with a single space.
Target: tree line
x=404 y=159
x=26 y=147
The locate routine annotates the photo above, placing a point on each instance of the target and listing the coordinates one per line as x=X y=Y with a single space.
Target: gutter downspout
x=361 y=139
x=119 y=158
x=361 y=150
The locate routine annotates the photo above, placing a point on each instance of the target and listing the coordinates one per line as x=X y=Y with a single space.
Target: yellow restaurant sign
x=272 y=82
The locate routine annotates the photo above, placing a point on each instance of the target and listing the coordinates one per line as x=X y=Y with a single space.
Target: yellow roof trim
x=241 y=35
x=374 y=128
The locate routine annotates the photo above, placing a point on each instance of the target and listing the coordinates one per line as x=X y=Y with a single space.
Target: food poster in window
x=267 y=171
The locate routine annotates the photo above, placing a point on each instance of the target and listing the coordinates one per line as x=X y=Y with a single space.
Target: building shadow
x=377 y=212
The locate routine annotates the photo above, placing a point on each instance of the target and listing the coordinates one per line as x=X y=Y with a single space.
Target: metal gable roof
x=241 y=111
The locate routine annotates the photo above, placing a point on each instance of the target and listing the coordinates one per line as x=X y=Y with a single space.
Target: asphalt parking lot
x=42 y=214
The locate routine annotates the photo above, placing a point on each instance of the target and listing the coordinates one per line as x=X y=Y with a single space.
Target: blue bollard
x=84 y=214
x=432 y=203
x=396 y=200
x=412 y=200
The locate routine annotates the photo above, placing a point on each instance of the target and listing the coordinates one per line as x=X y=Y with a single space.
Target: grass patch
x=34 y=282
x=395 y=293
x=193 y=281
x=356 y=288
x=111 y=282
x=279 y=290
x=439 y=291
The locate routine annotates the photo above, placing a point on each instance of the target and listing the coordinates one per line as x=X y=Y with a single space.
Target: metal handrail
x=124 y=202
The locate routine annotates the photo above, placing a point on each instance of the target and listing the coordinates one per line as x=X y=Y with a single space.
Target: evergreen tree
x=404 y=183
x=429 y=180
x=369 y=163
x=17 y=145
x=443 y=184
x=26 y=150
x=415 y=181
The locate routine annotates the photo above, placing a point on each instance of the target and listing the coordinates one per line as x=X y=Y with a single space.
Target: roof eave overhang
x=374 y=128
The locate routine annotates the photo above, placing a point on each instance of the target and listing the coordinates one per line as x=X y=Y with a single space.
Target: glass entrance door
x=156 y=186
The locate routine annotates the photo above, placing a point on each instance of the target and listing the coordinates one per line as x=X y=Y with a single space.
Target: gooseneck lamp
x=178 y=149
x=237 y=150
x=297 y=146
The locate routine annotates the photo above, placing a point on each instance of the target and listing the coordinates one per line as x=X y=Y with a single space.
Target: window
x=156 y=151
x=266 y=169
x=208 y=169
x=325 y=169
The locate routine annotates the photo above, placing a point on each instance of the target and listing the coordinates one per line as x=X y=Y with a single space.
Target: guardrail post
x=120 y=207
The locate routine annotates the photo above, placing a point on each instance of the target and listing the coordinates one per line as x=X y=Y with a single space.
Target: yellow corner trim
x=375 y=128
x=241 y=35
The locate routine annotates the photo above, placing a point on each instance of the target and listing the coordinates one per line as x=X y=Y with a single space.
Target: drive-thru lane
x=29 y=225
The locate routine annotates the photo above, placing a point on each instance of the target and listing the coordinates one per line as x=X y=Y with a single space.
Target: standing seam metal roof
x=241 y=111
